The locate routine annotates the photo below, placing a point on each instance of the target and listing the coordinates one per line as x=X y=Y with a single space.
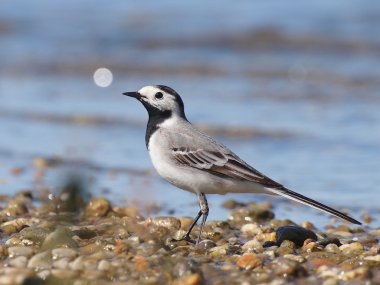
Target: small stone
x=251 y=214
x=77 y=264
x=141 y=264
x=205 y=245
x=19 y=261
x=326 y=241
x=170 y=223
x=62 y=263
x=251 y=229
x=35 y=234
x=356 y=274
x=311 y=247
x=331 y=281
x=351 y=248
x=295 y=234
x=40 y=261
x=192 y=279
x=332 y=247
x=286 y=268
x=98 y=207
x=253 y=246
x=84 y=233
x=61 y=274
x=11 y=276
x=15 y=251
x=269 y=244
x=63 y=252
x=14 y=226
x=294 y=257
x=232 y=204
x=342 y=234
x=16 y=171
x=104 y=265
x=373 y=258
x=61 y=237
x=318 y=262
x=219 y=251
x=40 y=163
x=249 y=261
x=367 y=219
x=308 y=225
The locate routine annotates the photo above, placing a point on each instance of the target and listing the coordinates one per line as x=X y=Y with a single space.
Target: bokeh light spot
x=103 y=77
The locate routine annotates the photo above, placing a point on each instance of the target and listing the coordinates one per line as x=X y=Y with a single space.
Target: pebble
x=170 y=223
x=219 y=251
x=104 y=265
x=285 y=268
x=327 y=241
x=14 y=226
x=16 y=208
x=253 y=246
x=61 y=237
x=62 y=263
x=351 y=248
x=295 y=234
x=249 y=261
x=205 y=245
x=193 y=279
x=40 y=261
x=15 y=251
x=64 y=252
x=19 y=261
x=35 y=234
x=294 y=257
x=251 y=229
x=98 y=207
x=373 y=258
x=249 y=215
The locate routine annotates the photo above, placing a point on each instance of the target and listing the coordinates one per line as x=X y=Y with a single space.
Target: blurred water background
x=291 y=86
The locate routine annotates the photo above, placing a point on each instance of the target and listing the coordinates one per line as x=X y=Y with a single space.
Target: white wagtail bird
x=193 y=161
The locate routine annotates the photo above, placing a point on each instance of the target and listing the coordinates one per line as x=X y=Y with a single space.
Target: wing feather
x=219 y=163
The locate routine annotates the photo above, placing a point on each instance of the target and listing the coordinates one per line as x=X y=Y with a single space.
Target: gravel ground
x=65 y=240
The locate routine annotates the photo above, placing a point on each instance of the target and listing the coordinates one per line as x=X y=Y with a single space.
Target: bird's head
x=159 y=99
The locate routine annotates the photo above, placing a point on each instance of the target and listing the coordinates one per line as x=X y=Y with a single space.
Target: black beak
x=132 y=94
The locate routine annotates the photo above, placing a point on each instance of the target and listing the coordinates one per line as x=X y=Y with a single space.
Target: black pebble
x=295 y=234
x=326 y=241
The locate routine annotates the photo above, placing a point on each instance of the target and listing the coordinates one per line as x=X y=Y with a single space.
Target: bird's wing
x=222 y=162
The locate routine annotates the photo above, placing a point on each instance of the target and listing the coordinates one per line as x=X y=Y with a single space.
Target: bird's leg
x=204 y=209
x=202 y=212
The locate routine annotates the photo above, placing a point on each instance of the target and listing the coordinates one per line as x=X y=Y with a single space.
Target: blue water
x=307 y=70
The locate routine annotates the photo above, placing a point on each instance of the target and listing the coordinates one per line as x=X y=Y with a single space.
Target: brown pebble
x=40 y=163
x=192 y=279
x=98 y=207
x=286 y=268
x=367 y=219
x=120 y=247
x=140 y=263
x=249 y=261
x=318 y=262
x=308 y=225
x=17 y=171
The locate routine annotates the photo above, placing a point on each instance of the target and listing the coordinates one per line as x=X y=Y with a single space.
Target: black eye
x=159 y=95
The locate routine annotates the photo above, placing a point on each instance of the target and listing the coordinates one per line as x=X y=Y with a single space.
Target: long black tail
x=310 y=202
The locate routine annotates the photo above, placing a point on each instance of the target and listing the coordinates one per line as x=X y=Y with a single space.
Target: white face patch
x=159 y=99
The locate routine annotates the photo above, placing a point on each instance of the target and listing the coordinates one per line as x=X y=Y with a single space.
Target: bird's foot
x=186 y=238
